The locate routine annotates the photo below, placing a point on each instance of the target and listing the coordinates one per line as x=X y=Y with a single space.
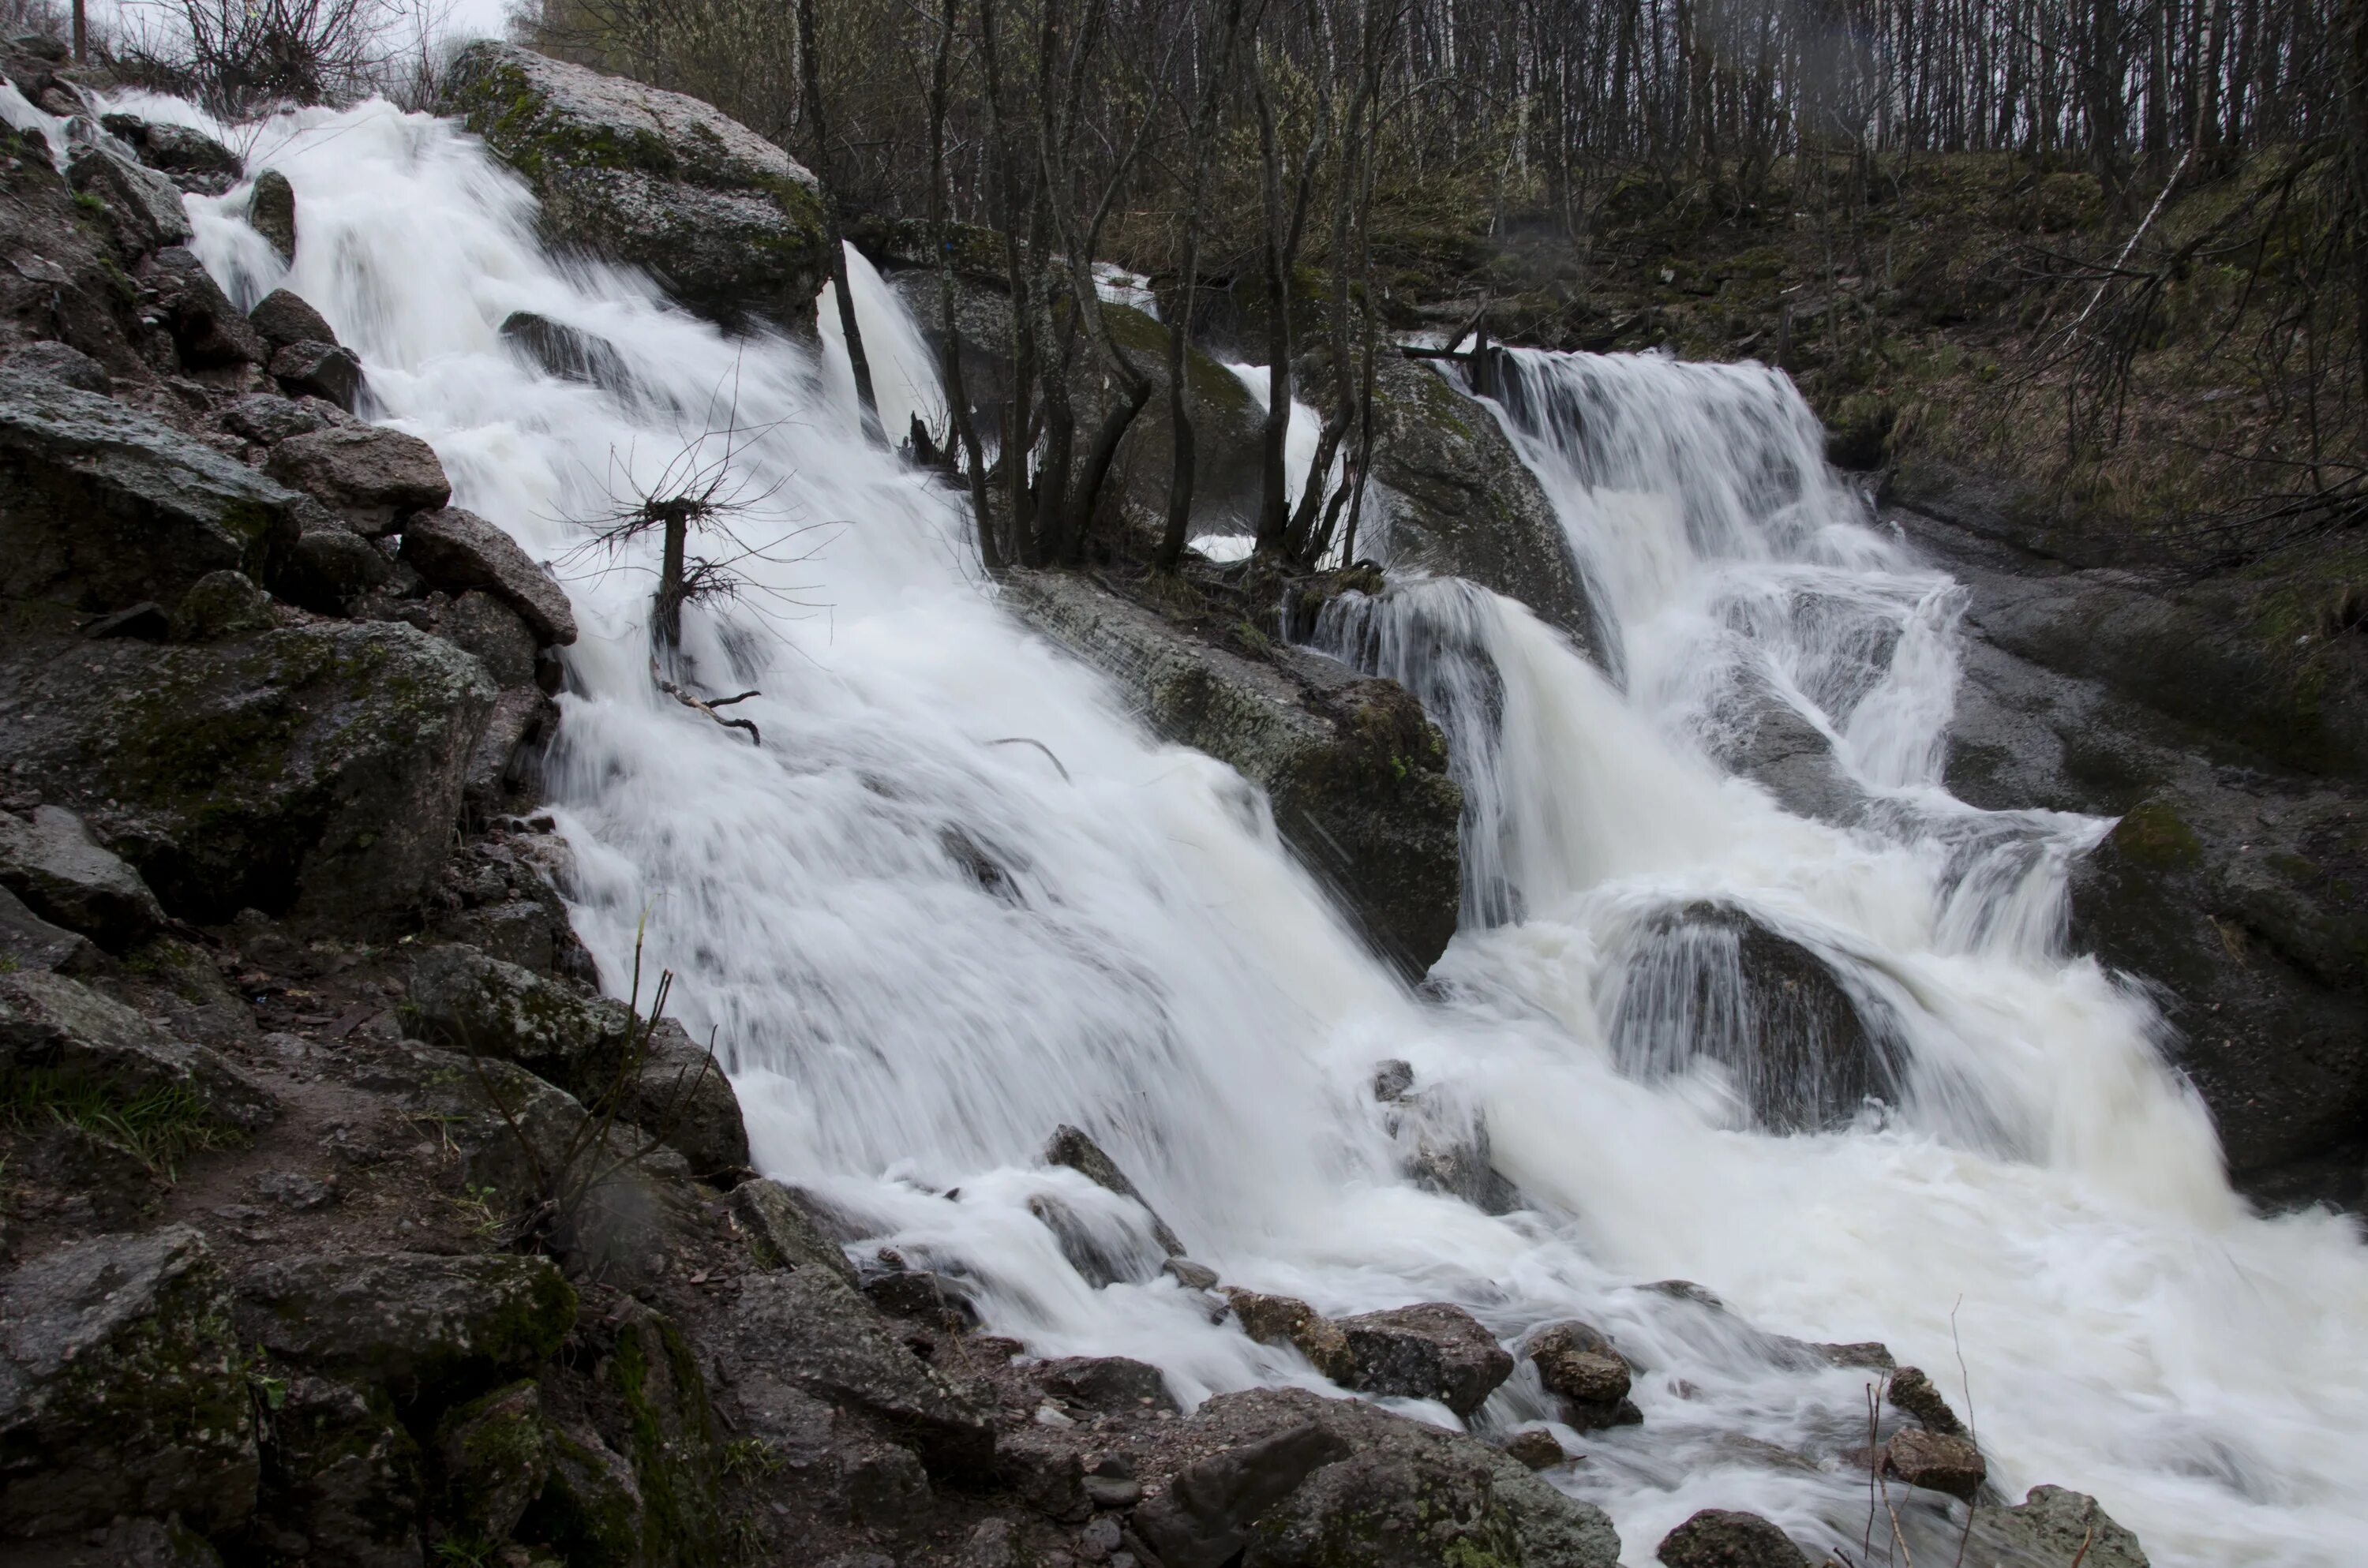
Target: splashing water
x=1144 y=959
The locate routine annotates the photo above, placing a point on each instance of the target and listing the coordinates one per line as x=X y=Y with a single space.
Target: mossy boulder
x=430 y=1329
x=341 y=1472
x=123 y=1389
x=102 y=506
x=1455 y=499
x=648 y=179
x=1356 y=774
x=316 y=768
x=669 y=1437
x=495 y=1456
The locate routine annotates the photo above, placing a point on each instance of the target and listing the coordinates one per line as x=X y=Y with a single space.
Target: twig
x=1040 y=745
x=688 y=700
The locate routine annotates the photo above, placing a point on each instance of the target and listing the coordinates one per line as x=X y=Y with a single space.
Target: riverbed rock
x=61 y=1034
x=271 y=212
x=2050 y=1526
x=1942 y=1462
x=1456 y=500
x=459 y=550
x=781 y=1233
x=284 y=316
x=1723 y=1537
x=1404 y=1494
x=1708 y=980
x=1581 y=1366
x=144 y=207
x=122 y=1388
x=1075 y=1149
x=192 y=160
x=373 y=476
x=1357 y=775
x=319 y=369
x=649 y=178
x=1912 y=1390
x=1118 y=1384
x=1430 y=1350
x=1285 y=1320
x=430 y=1328
x=51 y=861
x=102 y=506
x=313 y=768
x=570 y=353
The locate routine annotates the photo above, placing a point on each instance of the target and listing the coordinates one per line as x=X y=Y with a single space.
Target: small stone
x=1099 y=1539
x=1536 y=1447
x=63 y=363
x=1190 y=1275
x=1111 y=1492
x=295 y=1189
x=1577 y=1361
x=268 y=419
x=1935 y=1461
x=1285 y=1320
x=1912 y=1391
x=144 y=621
x=221 y=604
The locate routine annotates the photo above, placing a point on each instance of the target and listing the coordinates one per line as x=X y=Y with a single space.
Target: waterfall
x=922 y=950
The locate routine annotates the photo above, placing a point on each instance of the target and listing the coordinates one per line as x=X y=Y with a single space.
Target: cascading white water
x=1142 y=957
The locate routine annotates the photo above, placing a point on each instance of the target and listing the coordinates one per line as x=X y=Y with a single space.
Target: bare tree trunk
x=965 y=430
x=810 y=68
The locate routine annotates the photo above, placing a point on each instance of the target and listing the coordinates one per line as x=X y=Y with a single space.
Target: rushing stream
x=2034 y=1193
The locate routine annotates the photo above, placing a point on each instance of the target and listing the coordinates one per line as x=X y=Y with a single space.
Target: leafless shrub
x=238 y=58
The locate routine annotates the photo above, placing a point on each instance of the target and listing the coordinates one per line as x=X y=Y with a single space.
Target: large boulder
x=2050 y=1526
x=1431 y=1350
x=209 y=332
x=192 y=160
x=428 y=1328
x=1580 y=1367
x=1455 y=499
x=1357 y=775
x=51 y=861
x=102 y=506
x=122 y=1388
x=464 y=999
x=144 y=206
x=1370 y=1487
x=654 y=179
x=314 y=768
x=459 y=552
x=1708 y=981
x=373 y=476
x=61 y=1040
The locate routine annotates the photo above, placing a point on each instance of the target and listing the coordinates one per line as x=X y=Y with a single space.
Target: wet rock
x=192 y=160
x=502 y=765
x=1431 y=1350
x=70 y=1039
x=567 y=352
x=122 y=1388
x=223 y=604
x=375 y=477
x=268 y=420
x=102 y=506
x=1208 y=1512
x=590 y=1510
x=1443 y=1147
x=63 y=362
x=1709 y=981
x=651 y=179
x=271 y=212
x=1357 y=775
x=1722 y=1538
x=316 y=768
x=1912 y=1391
x=29 y=942
x=780 y=1234
x=2052 y=1525
x=341 y=1475
x=1461 y=503
x=1406 y=1495
x=1933 y=1459
x=284 y=316
x=463 y=998
x=144 y=206
x=1284 y=1320
x=332 y=568
x=1578 y=1365
x=1536 y=1447
x=297 y=1189
x=1117 y=1384
x=1072 y=1148
x=426 y=1327
x=322 y=371
x=1190 y=1275
x=51 y=862
x=813 y=1334
x=209 y=332
x=923 y=1296
x=669 y=1434
x=495 y=632
x=458 y=551
x=1114 y=1492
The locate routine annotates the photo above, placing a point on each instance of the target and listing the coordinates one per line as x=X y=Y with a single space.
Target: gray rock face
x=425 y=1327
x=1708 y=980
x=101 y=507
x=145 y=206
x=2051 y=1526
x=51 y=861
x=808 y=1330
x=271 y=211
x=1722 y=1538
x=1460 y=502
x=1431 y=1350
x=649 y=178
x=473 y=1002
x=343 y=1474
x=322 y=371
x=29 y=942
x=1407 y=1495
x=1211 y=1506
x=1073 y=1148
x=122 y=1388
x=70 y=1037
x=459 y=550
x=1357 y=775
x=208 y=333
x=192 y=160
x=316 y=768
x=495 y=1454
x=284 y=316
x=262 y=418
x=63 y=362
x=373 y=476
x=781 y=1233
